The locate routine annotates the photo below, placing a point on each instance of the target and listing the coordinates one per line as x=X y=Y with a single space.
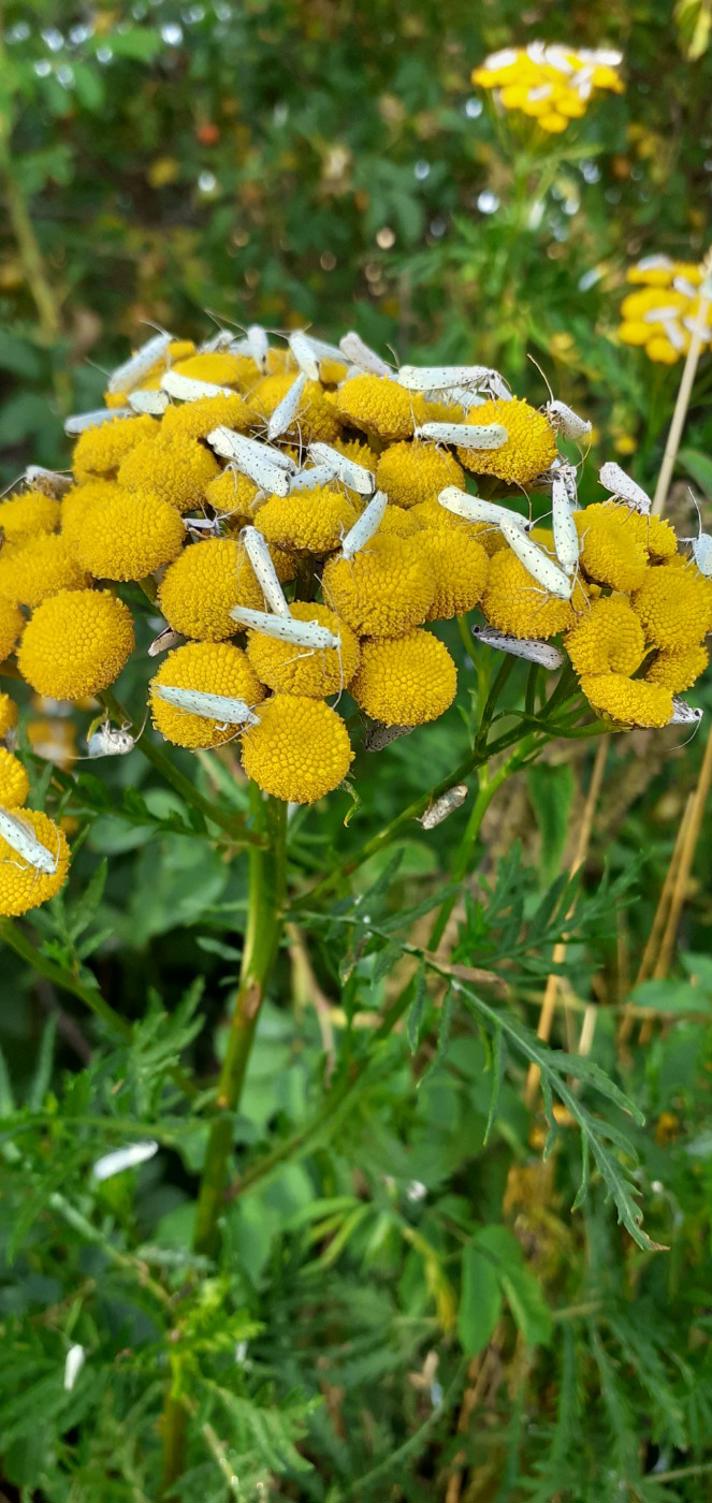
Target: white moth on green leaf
x=367 y=525
x=124 y=1158
x=73 y=1364
x=537 y=562
x=444 y=806
x=257 y=551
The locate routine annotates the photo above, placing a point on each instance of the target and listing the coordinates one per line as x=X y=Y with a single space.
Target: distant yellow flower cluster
x=551 y=83
x=301 y=515
x=667 y=306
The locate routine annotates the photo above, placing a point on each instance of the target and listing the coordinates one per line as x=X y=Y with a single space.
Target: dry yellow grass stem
x=650 y=952
x=683 y=398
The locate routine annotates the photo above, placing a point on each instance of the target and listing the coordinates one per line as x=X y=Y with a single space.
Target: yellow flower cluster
x=668 y=304
x=550 y=83
x=287 y=593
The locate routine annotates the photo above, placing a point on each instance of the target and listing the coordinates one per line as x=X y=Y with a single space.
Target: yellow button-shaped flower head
x=612 y=551
x=529 y=449
x=304 y=670
x=316 y=418
x=8 y=714
x=630 y=701
x=219 y=367
x=76 y=643
x=99 y=451
x=398 y=523
x=200 y=589
x=76 y=504
x=38 y=567
x=657 y=536
x=384 y=591
x=212 y=668
x=11 y=624
x=14 y=782
x=197 y=419
x=410 y=473
x=310 y=521
x=677 y=668
x=607 y=638
x=381 y=408
x=129 y=536
x=675 y=605
x=460 y=566
x=22 y=887
x=405 y=681
x=177 y=470
x=516 y=604
x=434 y=517
x=25 y=515
x=233 y=493
x=299 y=751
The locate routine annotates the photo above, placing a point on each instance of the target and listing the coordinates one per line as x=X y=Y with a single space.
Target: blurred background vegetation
x=311 y=162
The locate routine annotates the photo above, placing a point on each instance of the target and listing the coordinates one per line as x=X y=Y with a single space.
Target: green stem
x=486 y=788
x=26 y=240
x=13 y=937
x=266 y=892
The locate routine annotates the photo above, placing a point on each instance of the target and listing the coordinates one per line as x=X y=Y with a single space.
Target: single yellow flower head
x=316 y=419
x=405 y=681
x=332 y=372
x=233 y=493
x=14 y=782
x=662 y=352
x=674 y=605
x=516 y=604
x=197 y=419
x=607 y=638
x=219 y=367
x=385 y=590
x=299 y=751
x=176 y=470
x=129 y=536
x=399 y=523
x=8 y=714
x=99 y=451
x=677 y=668
x=460 y=565
x=358 y=450
x=628 y=700
x=437 y=518
x=529 y=450
x=76 y=504
x=411 y=473
x=76 y=643
x=38 y=567
x=310 y=521
x=212 y=668
x=25 y=515
x=657 y=536
x=11 y=624
x=382 y=408
x=303 y=670
x=21 y=886
x=613 y=552
x=199 y=590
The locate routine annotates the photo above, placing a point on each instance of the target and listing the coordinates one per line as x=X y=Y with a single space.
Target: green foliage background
x=404 y=1305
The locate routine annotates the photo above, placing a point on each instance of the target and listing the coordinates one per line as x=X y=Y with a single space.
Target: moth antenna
x=544 y=378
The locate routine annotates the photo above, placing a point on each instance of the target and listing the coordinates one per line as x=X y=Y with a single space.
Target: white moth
x=253 y=460
x=442 y=377
x=188 y=389
x=458 y=396
x=264 y=571
x=124 y=1158
x=154 y=403
x=684 y=714
x=219 y=707
x=377 y=737
x=622 y=488
x=218 y=342
x=658 y=315
x=286 y=629
x=465 y=435
x=166 y=639
x=366 y=526
x=73 y=1364
x=21 y=838
x=444 y=806
x=317 y=347
x=701 y=545
x=501 y=59
x=529 y=648
x=537 y=562
x=51 y=482
x=211 y=526
x=286 y=410
x=681 y=284
x=258 y=344
x=134 y=370
x=313 y=479
x=569 y=478
x=566 y=538
x=566 y=421
x=476 y=509
x=110 y=741
x=654 y=263
x=80 y=421
x=360 y=354
x=305 y=354
x=260 y=450
x=353 y=475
